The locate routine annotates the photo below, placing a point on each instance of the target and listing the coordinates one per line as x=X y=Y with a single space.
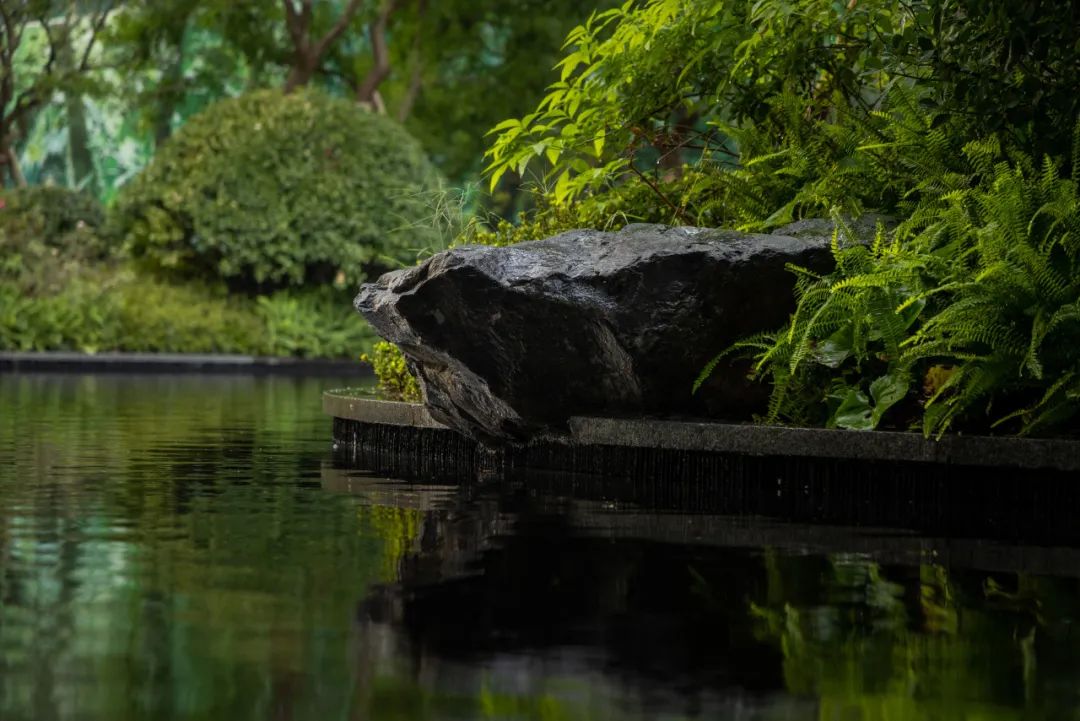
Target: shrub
x=113 y=310
x=674 y=202
x=58 y=217
x=108 y=309
x=969 y=316
x=54 y=301
x=618 y=109
x=390 y=368
x=314 y=324
x=271 y=190
x=40 y=220
x=47 y=235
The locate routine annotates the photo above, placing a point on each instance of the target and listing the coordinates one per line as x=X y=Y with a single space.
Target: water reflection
x=190 y=547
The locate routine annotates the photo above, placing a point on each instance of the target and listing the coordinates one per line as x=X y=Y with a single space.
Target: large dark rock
x=511 y=341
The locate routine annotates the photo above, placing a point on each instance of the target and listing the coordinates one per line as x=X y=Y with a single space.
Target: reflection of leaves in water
x=399 y=531
x=940 y=614
x=162 y=557
x=395 y=698
x=555 y=699
x=968 y=647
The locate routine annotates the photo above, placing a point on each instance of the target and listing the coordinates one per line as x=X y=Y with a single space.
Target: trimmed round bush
x=270 y=190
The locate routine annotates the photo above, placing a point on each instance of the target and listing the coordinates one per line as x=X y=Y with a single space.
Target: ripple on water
x=190 y=547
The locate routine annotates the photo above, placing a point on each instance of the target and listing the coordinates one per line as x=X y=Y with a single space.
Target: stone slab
x=756 y=440
x=341 y=404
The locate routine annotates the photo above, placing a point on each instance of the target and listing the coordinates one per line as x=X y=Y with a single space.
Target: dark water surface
x=186 y=547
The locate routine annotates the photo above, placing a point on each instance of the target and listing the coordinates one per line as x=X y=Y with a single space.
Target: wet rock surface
x=510 y=342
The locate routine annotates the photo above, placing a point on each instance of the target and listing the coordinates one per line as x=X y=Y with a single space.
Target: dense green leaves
x=108 y=309
x=62 y=287
x=51 y=217
x=668 y=81
x=645 y=88
x=970 y=310
x=396 y=381
x=272 y=190
x=455 y=68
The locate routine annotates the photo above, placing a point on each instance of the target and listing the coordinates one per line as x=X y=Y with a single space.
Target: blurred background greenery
x=219 y=175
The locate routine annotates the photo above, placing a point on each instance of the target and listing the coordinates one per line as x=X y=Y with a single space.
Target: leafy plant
x=111 y=311
x=789 y=97
x=618 y=109
x=395 y=379
x=610 y=210
x=977 y=294
x=57 y=295
x=1007 y=314
x=314 y=324
x=56 y=217
x=272 y=190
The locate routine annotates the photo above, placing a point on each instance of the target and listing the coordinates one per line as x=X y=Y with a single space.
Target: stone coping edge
x=63 y=361
x=372 y=410
x=754 y=440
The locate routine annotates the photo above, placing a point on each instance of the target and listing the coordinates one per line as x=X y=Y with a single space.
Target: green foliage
x=617 y=103
x=313 y=324
x=48 y=237
x=977 y=295
x=618 y=110
x=885 y=161
x=269 y=190
x=50 y=211
x=780 y=111
x=456 y=67
x=120 y=310
x=58 y=292
x=1007 y=66
x=1007 y=315
x=123 y=311
x=610 y=210
x=50 y=218
x=478 y=62
x=395 y=379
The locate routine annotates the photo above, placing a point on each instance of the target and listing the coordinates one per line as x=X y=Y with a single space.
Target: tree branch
x=13 y=37
x=51 y=41
x=339 y=27
x=293 y=24
x=95 y=30
x=679 y=213
x=381 y=70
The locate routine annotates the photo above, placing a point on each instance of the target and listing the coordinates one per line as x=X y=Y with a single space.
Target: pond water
x=187 y=547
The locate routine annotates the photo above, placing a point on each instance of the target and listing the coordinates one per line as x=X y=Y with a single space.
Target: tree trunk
x=380 y=71
x=307 y=55
x=80 y=158
x=299 y=75
x=298 y=24
x=80 y=163
x=10 y=158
